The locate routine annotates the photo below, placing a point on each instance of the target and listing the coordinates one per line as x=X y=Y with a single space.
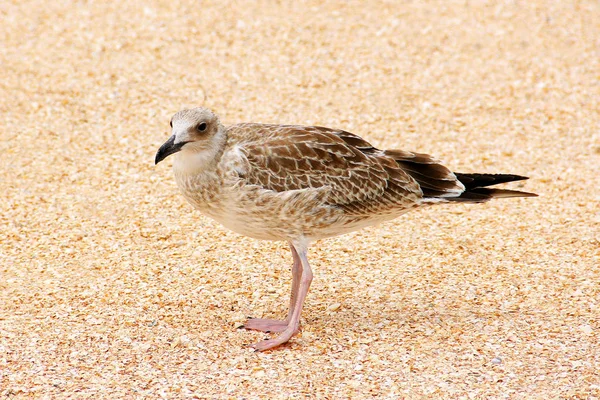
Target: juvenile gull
x=304 y=183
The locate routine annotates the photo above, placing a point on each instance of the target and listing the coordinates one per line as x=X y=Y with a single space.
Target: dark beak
x=168 y=148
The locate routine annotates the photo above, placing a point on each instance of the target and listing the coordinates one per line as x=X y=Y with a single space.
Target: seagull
x=304 y=183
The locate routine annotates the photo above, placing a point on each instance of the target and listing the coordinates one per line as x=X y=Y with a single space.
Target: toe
x=279 y=340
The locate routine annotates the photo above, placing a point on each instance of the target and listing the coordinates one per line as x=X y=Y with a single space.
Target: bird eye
x=202 y=127
x=171 y=123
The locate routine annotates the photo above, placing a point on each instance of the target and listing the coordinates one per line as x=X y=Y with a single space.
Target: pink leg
x=296 y=277
x=274 y=325
x=293 y=324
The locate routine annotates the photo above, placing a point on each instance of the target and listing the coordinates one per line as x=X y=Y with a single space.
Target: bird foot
x=283 y=337
x=265 y=325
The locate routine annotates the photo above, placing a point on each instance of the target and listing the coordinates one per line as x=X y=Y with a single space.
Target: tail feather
x=472 y=181
x=439 y=184
x=476 y=190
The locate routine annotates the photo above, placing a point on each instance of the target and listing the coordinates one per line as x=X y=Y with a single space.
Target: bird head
x=193 y=131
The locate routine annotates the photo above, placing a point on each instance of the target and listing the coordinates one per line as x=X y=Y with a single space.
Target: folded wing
x=357 y=177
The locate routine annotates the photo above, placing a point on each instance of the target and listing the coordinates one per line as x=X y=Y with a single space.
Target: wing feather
x=356 y=176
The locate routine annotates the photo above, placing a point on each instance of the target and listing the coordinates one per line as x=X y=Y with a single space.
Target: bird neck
x=200 y=157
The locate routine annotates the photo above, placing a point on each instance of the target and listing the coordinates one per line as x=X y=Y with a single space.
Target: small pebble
x=259 y=374
x=587 y=329
x=496 y=360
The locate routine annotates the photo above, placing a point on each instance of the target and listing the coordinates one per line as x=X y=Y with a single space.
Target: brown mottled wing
x=434 y=179
x=284 y=158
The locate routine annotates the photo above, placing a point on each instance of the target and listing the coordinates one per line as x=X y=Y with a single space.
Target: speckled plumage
x=295 y=183
x=300 y=184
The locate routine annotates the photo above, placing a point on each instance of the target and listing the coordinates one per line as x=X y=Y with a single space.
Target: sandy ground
x=111 y=286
